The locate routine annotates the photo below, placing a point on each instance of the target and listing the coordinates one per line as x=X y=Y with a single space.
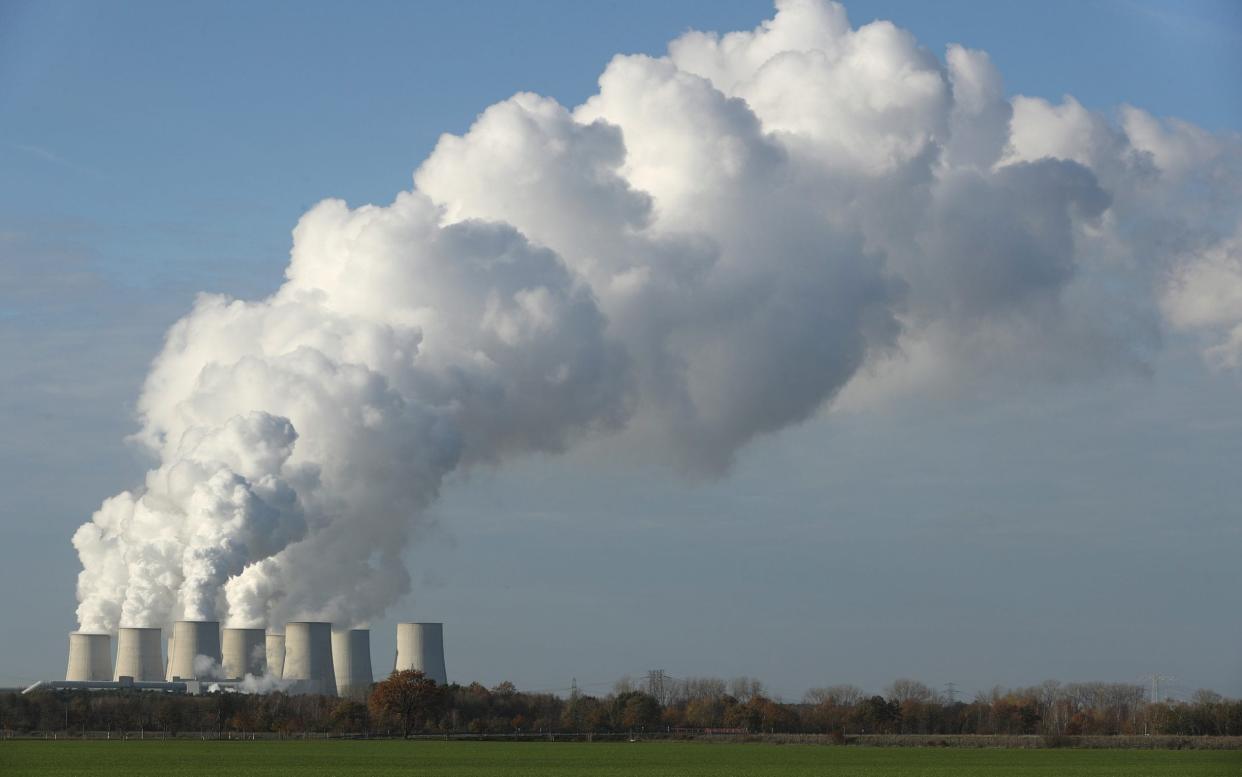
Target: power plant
x=90 y=657
x=421 y=646
x=244 y=652
x=195 y=651
x=351 y=657
x=139 y=654
x=276 y=655
x=309 y=657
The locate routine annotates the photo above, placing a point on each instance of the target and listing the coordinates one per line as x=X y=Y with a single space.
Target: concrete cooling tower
x=276 y=655
x=308 y=658
x=351 y=656
x=421 y=646
x=139 y=654
x=90 y=657
x=244 y=651
x=194 y=650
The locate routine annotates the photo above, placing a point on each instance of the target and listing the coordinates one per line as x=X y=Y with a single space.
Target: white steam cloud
x=717 y=245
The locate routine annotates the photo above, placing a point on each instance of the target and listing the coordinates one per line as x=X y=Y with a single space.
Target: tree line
x=408 y=703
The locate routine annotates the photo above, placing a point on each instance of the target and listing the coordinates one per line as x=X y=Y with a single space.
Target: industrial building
x=351 y=658
x=421 y=646
x=139 y=655
x=194 y=651
x=309 y=657
x=244 y=652
x=90 y=658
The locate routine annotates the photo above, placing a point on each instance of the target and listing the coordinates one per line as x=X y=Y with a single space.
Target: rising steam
x=713 y=247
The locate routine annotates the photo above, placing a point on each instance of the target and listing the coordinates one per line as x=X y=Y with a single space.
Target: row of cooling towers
x=308 y=658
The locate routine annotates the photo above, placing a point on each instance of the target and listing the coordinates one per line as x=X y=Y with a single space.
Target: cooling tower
x=195 y=642
x=139 y=654
x=308 y=658
x=276 y=655
x=168 y=663
x=351 y=655
x=244 y=652
x=90 y=657
x=421 y=646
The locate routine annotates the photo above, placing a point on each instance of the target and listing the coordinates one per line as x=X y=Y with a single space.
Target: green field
x=471 y=759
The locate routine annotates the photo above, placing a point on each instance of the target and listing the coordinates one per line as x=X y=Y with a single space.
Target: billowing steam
x=711 y=248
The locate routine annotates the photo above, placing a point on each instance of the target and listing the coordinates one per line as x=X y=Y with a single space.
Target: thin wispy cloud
x=48 y=155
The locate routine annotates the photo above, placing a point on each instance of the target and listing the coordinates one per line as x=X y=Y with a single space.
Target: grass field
x=476 y=759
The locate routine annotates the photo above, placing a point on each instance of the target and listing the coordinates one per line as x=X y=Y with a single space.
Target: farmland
x=652 y=759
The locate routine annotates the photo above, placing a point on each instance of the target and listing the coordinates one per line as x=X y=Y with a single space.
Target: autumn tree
x=878 y=715
x=635 y=710
x=409 y=697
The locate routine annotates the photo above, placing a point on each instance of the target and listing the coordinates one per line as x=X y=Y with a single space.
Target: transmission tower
x=1156 y=679
x=655 y=684
x=950 y=690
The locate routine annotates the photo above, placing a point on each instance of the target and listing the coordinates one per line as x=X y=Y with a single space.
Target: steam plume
x=718 y=244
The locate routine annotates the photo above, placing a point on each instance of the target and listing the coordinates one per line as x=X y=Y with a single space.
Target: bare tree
x=700 y=688
x=745 y=688
x=834 y=695
x=905 y=689
x=1205 y=696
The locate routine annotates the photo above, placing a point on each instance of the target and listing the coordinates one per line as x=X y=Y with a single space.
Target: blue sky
x=149 y=151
